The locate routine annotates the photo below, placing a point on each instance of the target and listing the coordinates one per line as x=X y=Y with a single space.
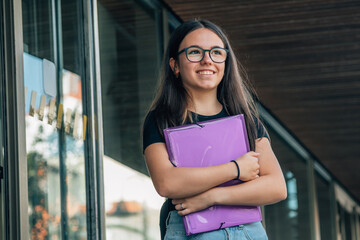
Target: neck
x=205 y=103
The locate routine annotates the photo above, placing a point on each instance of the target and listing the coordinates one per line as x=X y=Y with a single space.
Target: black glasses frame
x=204 y=51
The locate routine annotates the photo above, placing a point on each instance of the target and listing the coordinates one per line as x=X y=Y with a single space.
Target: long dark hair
x=233 y=92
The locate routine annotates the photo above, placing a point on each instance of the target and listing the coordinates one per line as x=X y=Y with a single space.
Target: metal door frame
x=15 y=163
x=2 y=129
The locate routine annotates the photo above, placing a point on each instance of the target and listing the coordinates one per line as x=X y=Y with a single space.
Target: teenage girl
x=202 y=80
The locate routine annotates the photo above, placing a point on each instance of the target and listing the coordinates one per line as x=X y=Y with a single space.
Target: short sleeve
x=151 y=132
x=260 y=129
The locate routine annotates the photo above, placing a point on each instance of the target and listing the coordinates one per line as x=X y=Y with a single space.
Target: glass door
x=129 y=43
x=54 y=79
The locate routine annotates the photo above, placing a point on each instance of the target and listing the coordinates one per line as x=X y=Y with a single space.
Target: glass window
x=358 y=225
x=129 y=57
x=73 y=78
x=42 y=139
x=54 y=74
x=289 y=219
x=324 y=206
x=340 y=221
x=348 y=225
x=38 y=32
x=346 y=222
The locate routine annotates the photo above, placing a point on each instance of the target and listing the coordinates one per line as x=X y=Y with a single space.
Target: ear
x=174 y=66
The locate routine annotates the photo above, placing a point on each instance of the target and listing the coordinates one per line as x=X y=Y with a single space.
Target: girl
x=202 y=80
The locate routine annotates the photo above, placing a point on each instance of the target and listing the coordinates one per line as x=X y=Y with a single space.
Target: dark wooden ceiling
x=304 y=60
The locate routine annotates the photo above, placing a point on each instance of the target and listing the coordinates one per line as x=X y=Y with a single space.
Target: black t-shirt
x=152 y=135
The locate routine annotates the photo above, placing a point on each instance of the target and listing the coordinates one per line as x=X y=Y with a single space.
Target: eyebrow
x=216 y=46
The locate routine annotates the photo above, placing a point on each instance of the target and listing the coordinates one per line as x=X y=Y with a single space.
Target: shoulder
x=260 y=129
x=151 y=132
x=149 y=118
x=149 y=123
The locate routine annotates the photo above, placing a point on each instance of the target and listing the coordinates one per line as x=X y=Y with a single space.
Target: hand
x=193 y=204
x=249 y=166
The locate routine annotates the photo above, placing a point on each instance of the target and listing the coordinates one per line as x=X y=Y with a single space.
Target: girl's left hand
x=193 y=204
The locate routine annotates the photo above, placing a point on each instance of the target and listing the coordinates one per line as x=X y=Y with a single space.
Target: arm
x=182 y=182
x=269 y=188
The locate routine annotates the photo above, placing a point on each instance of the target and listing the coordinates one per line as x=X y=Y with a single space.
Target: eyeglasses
x=196 y=54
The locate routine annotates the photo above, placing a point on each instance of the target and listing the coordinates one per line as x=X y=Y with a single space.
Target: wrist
x=214 y=196
x=237 y=170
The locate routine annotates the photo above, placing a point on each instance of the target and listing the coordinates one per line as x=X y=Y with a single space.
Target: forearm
x=261 y=191
x=182 y=182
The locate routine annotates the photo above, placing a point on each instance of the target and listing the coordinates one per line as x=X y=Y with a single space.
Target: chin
x=208 y=88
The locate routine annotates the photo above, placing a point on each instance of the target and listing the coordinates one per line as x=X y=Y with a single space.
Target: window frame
x=15 y=163
x=2 y=133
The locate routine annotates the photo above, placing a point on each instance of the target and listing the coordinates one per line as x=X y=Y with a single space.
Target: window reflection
x=292 y=200
x=129 y=58
x=43 y=180
x=38 y=29
x=129 y=55
x=72 y=81
x=42 y=140
x=55 y=149
x=132 y=205
x=75 y=159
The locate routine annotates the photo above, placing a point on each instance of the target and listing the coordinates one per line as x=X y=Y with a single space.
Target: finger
x=184 y=212
x=180 y=207
x=177 y=201
x=254 y=153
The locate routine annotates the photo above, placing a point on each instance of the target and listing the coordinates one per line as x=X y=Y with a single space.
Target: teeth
x=206 y=72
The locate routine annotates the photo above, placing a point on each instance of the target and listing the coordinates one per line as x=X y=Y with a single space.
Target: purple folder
x=205 y=144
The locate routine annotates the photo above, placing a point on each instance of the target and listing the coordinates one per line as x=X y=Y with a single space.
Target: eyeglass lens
x=196 y=54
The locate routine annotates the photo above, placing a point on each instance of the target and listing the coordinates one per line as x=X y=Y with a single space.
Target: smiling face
x=206 y=74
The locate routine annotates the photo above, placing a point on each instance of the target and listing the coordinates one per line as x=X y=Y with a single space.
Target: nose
x=206 y=58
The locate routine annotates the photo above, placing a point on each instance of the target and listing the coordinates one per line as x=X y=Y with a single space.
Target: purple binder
x=211 y=143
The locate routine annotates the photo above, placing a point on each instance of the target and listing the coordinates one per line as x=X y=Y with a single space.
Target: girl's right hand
x=249 y=166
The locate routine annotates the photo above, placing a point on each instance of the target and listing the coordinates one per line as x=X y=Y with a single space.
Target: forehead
x=202 y=37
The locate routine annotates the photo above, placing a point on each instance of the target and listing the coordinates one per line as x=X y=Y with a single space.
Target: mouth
x=205 y=72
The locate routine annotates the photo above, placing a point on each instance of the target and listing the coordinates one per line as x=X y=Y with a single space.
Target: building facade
x=77 y=78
